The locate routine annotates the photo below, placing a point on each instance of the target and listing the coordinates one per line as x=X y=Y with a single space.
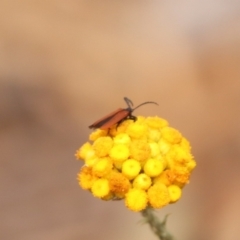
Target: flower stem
x=157 y=226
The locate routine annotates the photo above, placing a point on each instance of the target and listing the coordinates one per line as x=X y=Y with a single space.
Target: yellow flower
x=119 y=152
x=97 y=134
x=153 y=167
x=84 y=151
x=171 y=135
x=146 y=162
x=102 y=166
x=191 y=165
x=102 y=146
x=122 y=138
x=140 y=150
x=86 y=178
x=156 y=122
x=121 y=128
x=131 y=168
x=142 y=181
x=91 y=160
x=178 y=155
x=164 y=146
x=167 y=177
x=136 y=199
x=137 y=130
x=158 y=195
x=185 y=144
x=175 y=193
x=100 y=188
x=119 y=184
x=154 y=135
x=155 y=150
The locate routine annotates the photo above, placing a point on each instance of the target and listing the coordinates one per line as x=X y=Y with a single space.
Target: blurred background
x=64 y=64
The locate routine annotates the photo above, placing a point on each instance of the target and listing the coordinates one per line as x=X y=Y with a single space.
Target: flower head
x=146 y=162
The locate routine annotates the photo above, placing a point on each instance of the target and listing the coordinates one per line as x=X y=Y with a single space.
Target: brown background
x=64 y=64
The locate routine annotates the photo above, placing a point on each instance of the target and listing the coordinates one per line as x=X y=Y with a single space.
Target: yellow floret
x=102 y=166
x=122 y=138
x=140 y=150
x=163 y=160
x=119 y=152
x=185 y=144
x=175 y=193
x=131 y=168
x=164 y=146
x=108 y=197
x=121 y=128
x=84 y=151
x=102 y=146
x=153 y=167
x=91 y=160
x=167 y=177
x=171 y=135
x=100 y=188
x=154 y=134
x=191 y=165
x=158 y=195
x=155 y=150
x=141 y=119
x=119 y=184
x=136 y=199
x=118 y=165
x=86 y=178
x=97 y=134
x=142 y=181
x=182 y=176
x=137 y=130
x=156 y=122
x=178 y=155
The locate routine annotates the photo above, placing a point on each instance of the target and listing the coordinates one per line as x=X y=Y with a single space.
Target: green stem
x=157 y=226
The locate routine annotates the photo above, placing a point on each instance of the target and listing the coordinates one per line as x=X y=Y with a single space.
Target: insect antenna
x=128 y=102
x=144 y=104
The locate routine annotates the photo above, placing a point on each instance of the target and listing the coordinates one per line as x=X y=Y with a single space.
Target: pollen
x=136 y=199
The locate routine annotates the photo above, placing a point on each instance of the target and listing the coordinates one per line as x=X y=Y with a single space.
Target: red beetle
x=118 y=116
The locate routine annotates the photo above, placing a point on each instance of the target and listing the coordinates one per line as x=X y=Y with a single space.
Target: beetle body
x=117 y=116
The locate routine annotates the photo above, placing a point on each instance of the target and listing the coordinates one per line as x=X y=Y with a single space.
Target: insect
x=118 y=116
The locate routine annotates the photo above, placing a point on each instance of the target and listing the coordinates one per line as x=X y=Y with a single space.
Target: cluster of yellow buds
x=145 y=162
